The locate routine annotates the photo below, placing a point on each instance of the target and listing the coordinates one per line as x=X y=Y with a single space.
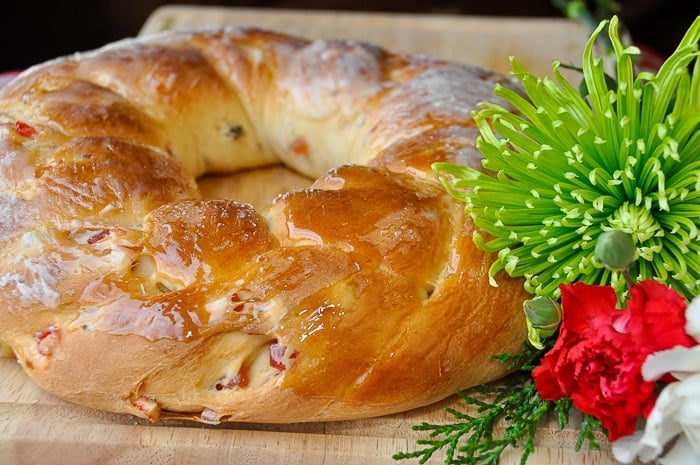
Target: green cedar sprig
x=473 y=440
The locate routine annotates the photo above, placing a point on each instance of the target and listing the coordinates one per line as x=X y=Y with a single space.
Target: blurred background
x=34 y=31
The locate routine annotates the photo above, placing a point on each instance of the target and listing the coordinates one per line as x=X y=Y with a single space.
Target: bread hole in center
x=258 y=186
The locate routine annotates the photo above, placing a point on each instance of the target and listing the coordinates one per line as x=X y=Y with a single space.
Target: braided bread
x=361 y=295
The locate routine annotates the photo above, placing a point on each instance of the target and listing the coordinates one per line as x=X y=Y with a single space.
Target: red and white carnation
x=672 y=431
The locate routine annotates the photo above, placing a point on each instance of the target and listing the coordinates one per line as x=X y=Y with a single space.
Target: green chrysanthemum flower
x=567 y=168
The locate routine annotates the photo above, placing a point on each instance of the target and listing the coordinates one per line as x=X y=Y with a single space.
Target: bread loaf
x=361 y=295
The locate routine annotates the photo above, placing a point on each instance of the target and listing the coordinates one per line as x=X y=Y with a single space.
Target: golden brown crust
x=361 y=295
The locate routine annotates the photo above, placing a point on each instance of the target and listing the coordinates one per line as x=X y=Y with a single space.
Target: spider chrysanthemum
x=563 y=168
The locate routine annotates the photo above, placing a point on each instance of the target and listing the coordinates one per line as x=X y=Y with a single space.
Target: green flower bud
x=542 y=312
x=615 y=249
x=543 y=316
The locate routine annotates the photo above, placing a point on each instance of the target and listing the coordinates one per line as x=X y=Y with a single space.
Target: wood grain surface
x=37 y=428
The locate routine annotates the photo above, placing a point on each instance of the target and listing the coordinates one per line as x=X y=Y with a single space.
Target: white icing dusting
x=98 y=186
x=218 y=309
x=8 y=157
x=255 y=56
x=327 y=77
x=15 y=214
x=110 y=207
x=119 y=257
x=9 y=211
x=448 y=93
x=37 y=286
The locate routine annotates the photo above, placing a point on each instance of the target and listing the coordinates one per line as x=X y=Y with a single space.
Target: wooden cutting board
x=37 y=428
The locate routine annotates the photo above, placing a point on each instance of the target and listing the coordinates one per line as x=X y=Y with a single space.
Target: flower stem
x=628 y=278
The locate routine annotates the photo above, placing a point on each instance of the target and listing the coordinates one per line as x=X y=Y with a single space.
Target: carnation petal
x=692 y=434
x=586 y=307
x=547 y=384
x=657 y=316
x=692 y=315
x=688 y=392
x=661 y=424
x=680 y=361
x=628 y=448
x=680 y=454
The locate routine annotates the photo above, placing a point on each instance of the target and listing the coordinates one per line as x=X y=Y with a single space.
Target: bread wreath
x=362 y=295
